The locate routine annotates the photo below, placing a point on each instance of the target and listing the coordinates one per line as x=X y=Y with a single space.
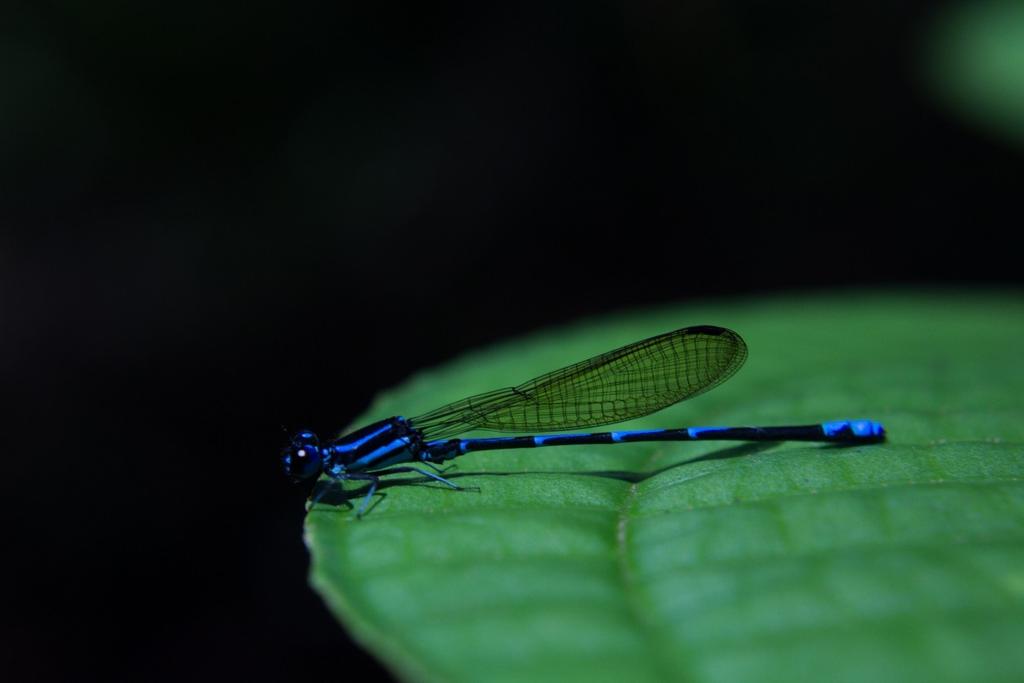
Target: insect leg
x=374 y=480
x=433 y=476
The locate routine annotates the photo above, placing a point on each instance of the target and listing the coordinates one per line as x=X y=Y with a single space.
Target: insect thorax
x=376 y=445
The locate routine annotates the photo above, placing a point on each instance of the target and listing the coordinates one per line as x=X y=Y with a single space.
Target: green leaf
x=643 y=562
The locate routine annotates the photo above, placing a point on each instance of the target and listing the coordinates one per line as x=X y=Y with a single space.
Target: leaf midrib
x=653 y=637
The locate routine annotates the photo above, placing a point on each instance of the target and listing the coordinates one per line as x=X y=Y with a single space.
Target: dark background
x=218 y=220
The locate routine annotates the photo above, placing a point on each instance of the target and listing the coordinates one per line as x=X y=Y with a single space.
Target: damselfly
x=635 y=380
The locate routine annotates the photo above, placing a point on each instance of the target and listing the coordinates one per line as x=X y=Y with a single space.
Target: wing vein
x=632 y=381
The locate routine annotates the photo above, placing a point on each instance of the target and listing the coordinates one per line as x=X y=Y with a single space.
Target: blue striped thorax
x=374 y=446
x=377 y=445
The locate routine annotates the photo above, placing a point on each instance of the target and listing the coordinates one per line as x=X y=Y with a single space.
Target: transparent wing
x=629 y=382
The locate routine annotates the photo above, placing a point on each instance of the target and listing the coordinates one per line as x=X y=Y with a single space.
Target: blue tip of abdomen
x=860 y=429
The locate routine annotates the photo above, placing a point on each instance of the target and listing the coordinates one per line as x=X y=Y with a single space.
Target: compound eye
x=302 y=459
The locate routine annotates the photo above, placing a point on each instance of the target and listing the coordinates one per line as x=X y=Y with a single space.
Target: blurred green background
x=974 y=59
